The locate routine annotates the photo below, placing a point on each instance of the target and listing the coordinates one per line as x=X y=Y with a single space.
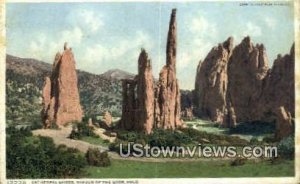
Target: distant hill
x=117 y=74
x=25 y=79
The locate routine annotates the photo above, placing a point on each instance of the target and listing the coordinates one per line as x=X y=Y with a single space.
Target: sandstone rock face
x=146 y=105
x=236 y=85
x=279 y=88
x=168 y=92
x=107 y=118
x=138 y=98
x=211 y=83
x=46 y=95
x=64 y=103
x=284 y=125
x=145 y=94
x=128 y=118
x=188 y=114
x=247 y=68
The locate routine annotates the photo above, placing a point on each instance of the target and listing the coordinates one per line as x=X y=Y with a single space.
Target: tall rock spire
x=62 y=90
x=145 y=93
x=146 y=106
x=171 y=41
x=168 y=92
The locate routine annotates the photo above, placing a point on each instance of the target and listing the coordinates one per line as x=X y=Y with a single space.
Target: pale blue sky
x=109 y=35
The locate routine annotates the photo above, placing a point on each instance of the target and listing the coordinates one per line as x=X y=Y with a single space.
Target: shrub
x=37 y=157
x=163 y=138
x=222 y=140
x=238 y=161
x=115 y=146
x=80 y=130
x=254 y=141
x=269 y=139
x=286 y=147
x=95 y=158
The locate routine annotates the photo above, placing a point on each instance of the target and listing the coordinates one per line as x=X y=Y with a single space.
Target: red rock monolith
x=64 y=106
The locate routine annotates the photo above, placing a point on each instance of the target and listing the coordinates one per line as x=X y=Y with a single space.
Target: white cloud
x=270 y=22
x=44 y=48
x=252 y=30
x=87 y=20
x=202 y=34
x=101 y=55
x=200 y=37
x=73 y=36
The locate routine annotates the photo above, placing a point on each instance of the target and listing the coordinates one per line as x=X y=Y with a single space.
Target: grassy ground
x=95 y=140
x=133 y=169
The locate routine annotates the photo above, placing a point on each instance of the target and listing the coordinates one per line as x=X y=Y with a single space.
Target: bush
x=163 y=138
x=286 y=147
x=95 y=158
x=80 y=130
x=238 y=161
x=37 y=157
x=269 y=139
x=115 y=146
x=254 y=141
x=222 y=140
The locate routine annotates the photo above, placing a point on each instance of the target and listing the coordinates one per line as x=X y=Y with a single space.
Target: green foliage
x=130 y=136
x=222 y=140
x=286 y=147
x=95 y=158
x=163 y=138
x=254 y=141
x=269 y=138
x=37 y=157
x=238 y=161
x=81 y=130
x=115 y=146
x=253 y=128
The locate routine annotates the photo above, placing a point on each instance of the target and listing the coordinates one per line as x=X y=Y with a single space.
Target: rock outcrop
x=211 y=83
x=138 y=98
x=278 y=88
x=284 y=125
x=147 y=105
x=61 y=103
x=145 y=94
x=236 y=85
x=107 y=118
x=247 y=68
x=168 y=91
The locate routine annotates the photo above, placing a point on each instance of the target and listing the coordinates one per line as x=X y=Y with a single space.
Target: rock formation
x=211 y=83
x=138 y=98
x=61 y=103
x=146 y=105
x=247 y=68
x=107 y=118
x=168 y=91
x=236 y=85
x=145 y=94
x=284 y=125
x=278 y=88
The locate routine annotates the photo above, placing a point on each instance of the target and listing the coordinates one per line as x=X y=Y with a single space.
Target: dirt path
x=61 y=137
